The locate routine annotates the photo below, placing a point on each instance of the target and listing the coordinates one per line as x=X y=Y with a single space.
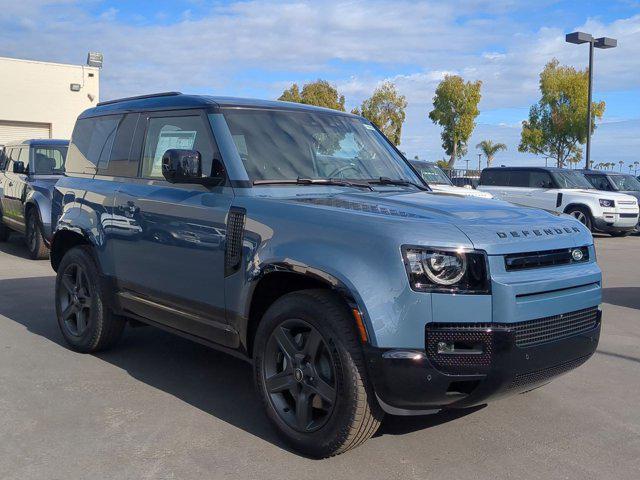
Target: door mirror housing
x=185 y=166
x=18 y=167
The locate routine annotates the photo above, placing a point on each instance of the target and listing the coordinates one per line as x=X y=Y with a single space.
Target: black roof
x=181 y=101
x=40 y=142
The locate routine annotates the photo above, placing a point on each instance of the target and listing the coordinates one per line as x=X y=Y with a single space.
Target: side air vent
x=233 y=243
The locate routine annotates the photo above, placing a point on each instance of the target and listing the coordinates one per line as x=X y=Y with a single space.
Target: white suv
x=563 y=191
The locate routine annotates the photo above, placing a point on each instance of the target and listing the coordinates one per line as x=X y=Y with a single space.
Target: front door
x=169 y=261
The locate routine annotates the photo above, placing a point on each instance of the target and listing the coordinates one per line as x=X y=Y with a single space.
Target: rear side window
x=91 y=143
x=497 y=178
x=124 y=157
x=179 y=132
x=540 y=179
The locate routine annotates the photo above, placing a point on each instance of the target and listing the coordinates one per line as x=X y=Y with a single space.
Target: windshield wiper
x=314 y=181
x=391 y=181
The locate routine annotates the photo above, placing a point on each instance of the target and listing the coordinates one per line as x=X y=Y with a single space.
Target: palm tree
x=621 y=164
x=490 y=149
x=635 y=165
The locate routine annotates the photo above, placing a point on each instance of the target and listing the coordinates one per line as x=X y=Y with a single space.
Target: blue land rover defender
x=301 y=240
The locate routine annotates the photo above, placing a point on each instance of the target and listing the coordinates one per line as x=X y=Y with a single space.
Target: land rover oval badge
x=577 y=255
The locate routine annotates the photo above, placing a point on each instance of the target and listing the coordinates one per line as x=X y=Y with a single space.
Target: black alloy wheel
x=75 y=297
x=299 y=375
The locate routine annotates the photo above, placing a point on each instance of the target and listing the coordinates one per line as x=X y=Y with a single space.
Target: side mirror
x=18 y=167
x=182 y=166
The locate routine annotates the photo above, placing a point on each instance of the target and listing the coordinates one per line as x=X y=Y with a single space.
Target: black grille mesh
x=538 y=377
x=547 y=258
x=233 y=244
x=555 y=327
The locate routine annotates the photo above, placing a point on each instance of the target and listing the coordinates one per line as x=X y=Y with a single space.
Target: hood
x=495 y=226
x=601 y=194
x=633 y=193
x=467 y=192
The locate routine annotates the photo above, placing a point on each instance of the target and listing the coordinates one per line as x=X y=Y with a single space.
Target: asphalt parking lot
x=159 y=406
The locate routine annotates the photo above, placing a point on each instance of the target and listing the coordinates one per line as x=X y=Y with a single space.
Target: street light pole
x=479 y=163
x=602 y=42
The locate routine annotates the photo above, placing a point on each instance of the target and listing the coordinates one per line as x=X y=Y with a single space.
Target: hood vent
x=358 y=206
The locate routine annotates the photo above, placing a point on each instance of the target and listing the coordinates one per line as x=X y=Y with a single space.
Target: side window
x=6 y=156
x=599 y=182
x=91 y=143
x=24 y=157
x=495 y=178
x=538 y=179
x=187 y=133
x=125 y=152
x=519 y=178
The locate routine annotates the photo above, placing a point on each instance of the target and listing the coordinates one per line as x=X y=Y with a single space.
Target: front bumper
x=491 y=364
x=616 y=222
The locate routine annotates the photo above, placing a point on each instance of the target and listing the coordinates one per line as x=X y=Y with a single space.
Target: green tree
x=455 y=108
x=556 y=126
x=490 y=149
x=320 y=93
x=385 y=108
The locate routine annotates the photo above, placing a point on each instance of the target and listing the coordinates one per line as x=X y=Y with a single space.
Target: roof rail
x=139 y=97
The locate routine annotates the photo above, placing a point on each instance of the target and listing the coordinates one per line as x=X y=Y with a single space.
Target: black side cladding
x=233 y=241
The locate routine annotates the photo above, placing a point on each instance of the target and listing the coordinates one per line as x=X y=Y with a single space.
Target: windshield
x=626 y=182
x=569 y=179
x=432 y=174
x=289 y=145
x=48 y=160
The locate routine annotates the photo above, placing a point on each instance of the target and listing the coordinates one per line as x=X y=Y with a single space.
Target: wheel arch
x=578 y=205
x=64 y=240
x=279 y=279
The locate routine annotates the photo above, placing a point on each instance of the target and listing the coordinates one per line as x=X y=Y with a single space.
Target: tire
x=4 y=230
x=85 y=320
x=34 y=238
x=583 y=215
x=302 y=320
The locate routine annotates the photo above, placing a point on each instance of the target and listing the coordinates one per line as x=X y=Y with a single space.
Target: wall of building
x=34 y=94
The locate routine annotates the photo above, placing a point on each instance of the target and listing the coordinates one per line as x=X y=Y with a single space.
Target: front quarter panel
x=361 y=251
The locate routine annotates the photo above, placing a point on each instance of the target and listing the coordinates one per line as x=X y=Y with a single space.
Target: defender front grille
x=555 y=327
x=546 y=258
x=538 y=377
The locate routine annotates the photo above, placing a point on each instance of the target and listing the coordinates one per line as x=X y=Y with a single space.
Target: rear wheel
x=583 y=215
x=621 y=234
x=310 y=374
x=35 y=240
x=86 y=322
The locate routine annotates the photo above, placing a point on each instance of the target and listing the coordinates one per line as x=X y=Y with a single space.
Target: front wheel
x=582 y=215
x=86 y=322
x=310 y=374
x=38 y=250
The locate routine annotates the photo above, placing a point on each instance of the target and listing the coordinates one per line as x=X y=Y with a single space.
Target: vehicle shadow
x=15 y=246
x=622 y=296
x=216 y=383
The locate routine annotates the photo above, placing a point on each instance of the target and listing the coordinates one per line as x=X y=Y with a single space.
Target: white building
x=43 y=99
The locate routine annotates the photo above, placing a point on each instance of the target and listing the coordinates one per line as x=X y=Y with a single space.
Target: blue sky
x=256 y=48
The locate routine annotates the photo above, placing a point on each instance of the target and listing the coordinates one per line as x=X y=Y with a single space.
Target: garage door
x=18 y=131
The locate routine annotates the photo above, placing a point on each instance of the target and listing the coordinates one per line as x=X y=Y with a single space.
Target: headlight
x=607 y=203
x=446 y=270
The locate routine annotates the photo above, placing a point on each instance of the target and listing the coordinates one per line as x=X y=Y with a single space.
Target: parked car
x=27 y=175
x=614 y=182
x=563 y=191
x=352 y=289
x=440 y=182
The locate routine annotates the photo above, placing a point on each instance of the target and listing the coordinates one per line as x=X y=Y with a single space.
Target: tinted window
x=49 y=160
x=571 y=179
x=626 y=182
x=599 y=181
x=91 y=143
x=125 y=152
x=431 y=173
x=539 y=179
x=498 y=178
x=518 y=178
x=185 y=133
